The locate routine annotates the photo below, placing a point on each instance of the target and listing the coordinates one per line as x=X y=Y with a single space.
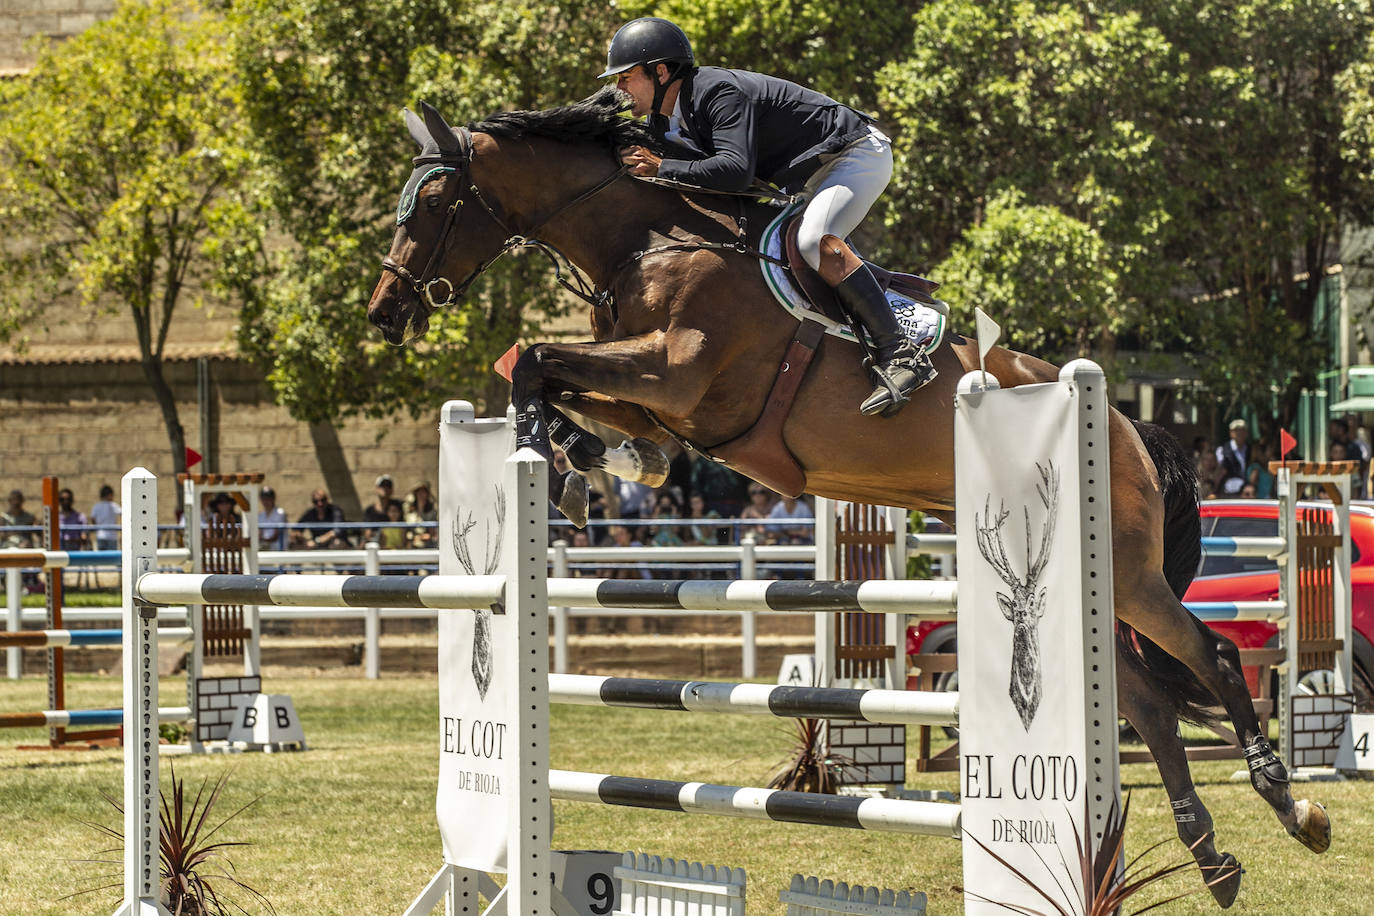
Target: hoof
x=1223 y=879
x=639 y=459
x=653 y=463
x=572 y=500
x=1314 y=826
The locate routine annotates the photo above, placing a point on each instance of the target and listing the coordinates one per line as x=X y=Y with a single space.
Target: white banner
x=474 y=689
x=1026 y=772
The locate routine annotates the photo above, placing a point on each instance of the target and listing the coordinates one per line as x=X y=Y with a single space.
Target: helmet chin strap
x=661 y=89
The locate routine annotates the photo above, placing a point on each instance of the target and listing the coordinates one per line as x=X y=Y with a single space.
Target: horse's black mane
x=596 y=119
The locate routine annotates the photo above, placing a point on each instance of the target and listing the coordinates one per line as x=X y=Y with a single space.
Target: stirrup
x=903 y=375
x=1260 y=757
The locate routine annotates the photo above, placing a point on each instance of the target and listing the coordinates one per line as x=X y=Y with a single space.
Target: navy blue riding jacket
x=747 y=124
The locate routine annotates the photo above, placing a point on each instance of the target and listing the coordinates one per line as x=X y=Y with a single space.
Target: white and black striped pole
x=896 y=707
x=891 y=815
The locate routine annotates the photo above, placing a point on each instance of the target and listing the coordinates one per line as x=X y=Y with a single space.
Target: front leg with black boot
x=898 y=367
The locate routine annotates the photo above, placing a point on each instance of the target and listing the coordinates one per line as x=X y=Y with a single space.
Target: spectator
x=379 y=510
x=272 y=521
x=1234 y=458
x=70 y=522
x=702 y=535
x=1355 y=450
x=393 y=536
x=789 y=507
x=224 y=513
x=15 y=516
x=665 y=535
x=318 y=528
x=760 y=505
x=105 y=514
x=420 y=507
x=1257 y=475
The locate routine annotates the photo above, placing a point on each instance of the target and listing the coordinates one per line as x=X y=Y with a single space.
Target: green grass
x=107 y=597
x=348 y=827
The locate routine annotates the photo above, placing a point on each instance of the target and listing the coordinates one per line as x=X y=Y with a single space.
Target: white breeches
x=841 y=192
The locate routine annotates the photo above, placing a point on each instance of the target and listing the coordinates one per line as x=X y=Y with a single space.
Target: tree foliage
x=1201 y=143
x=121 y=177
x=324 y=84
x=1141 y=175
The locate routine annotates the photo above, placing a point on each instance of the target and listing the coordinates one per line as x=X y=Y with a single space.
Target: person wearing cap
x=731 y=127
x=272 y=521
x=378 y=511
x=420 y=508
x=1234 y=458
x=223 y=512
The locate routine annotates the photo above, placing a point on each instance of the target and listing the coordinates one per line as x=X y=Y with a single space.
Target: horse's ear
x=418 y=131
x=439 y=130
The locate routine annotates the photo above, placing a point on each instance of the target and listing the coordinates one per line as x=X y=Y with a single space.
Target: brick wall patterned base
x=216 y=698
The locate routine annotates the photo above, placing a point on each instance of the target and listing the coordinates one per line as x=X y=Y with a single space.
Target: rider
x=749 y=125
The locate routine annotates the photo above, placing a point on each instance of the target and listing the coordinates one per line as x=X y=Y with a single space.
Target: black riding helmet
x=646 y=42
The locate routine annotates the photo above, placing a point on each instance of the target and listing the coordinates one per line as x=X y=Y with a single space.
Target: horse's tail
x=1182 y=552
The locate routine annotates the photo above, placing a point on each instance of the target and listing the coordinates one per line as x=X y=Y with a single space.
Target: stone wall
x=22 y=20
x=88 y=423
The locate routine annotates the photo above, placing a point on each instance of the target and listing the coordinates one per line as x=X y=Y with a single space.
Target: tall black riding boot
x=899 y=368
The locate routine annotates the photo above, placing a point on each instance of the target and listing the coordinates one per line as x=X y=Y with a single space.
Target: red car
x=1229 y=578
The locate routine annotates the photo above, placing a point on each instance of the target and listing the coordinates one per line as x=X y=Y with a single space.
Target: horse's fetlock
x=1266 y=769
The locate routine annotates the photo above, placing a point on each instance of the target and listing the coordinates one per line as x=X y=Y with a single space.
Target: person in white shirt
x=106 y=514
x=272 y=521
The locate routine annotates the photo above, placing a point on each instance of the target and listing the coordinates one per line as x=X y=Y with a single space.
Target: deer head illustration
x=464 y=525
x=1026 y=604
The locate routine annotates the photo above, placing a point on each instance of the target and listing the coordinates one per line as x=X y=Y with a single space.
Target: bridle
x=461 y=162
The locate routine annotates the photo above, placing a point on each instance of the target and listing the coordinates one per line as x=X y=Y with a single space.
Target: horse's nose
x=383 y=318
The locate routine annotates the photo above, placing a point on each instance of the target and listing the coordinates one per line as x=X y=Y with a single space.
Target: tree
x=1200 y=143
x=1048 y=274
x=324 y=84
x=120 y=178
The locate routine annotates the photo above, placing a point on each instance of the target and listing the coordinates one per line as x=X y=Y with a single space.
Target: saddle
x=823 y=297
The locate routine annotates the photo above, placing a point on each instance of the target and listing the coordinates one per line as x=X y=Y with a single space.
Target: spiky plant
x=195 y=870
x=806 y=769
x=1106 y=887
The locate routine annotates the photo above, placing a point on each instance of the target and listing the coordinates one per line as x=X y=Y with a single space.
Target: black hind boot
x=898 y=366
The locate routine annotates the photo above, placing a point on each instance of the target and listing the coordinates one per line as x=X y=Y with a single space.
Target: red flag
x=193 y=457
x=1286 y=443
x=506 y=363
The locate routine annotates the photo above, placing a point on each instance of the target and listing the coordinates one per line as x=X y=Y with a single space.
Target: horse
x=687 y=344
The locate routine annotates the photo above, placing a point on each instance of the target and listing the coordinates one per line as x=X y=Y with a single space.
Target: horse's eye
x=432 y=202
